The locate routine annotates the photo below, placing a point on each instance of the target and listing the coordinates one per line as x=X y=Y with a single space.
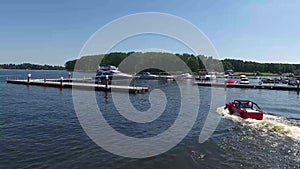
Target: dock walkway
x=78 y=85
x=249 y=86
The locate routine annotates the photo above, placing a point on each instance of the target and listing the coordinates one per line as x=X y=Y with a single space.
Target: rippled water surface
x=39 y=129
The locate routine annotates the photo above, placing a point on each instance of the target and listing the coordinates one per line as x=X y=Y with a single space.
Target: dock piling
x=61 y=81
x=28 y=78
x=298 y=86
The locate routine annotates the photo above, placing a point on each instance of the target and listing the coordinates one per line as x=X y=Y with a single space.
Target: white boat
x=147 y=75
x=210 y=76
x=112 y=72
x=244 y=79
x=186 y=76
x=243 y=76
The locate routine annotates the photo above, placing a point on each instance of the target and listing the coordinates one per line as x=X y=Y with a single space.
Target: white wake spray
x=277 y=124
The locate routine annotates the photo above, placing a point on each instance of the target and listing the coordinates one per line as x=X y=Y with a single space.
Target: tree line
x=31 y=66
x=249 y=66
x=195 y=63
x=90 y=63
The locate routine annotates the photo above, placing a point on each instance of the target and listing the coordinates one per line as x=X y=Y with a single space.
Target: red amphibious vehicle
x=246 y=109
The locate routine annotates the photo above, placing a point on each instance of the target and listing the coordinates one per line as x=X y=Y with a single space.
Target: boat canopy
x=245 y=104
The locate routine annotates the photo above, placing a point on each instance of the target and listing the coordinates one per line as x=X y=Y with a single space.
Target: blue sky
x=54 y=31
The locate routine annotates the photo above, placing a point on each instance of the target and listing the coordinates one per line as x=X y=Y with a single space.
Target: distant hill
x=31 y=66
x=90 y=63
x=194 y=62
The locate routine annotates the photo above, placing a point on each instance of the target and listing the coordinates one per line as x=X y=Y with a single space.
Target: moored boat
x=111 y=72
x=230 y=81
x=244 y=79
x=210 y=76
x=148 y=75
x=186 y=76
x=270 y=80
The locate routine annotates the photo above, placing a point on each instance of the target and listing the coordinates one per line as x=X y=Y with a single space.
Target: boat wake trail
x=279 y=125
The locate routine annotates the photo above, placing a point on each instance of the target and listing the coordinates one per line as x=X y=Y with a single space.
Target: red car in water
x=246 y=109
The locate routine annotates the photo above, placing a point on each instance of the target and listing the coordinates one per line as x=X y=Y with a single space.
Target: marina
x=44 y=120
x=150 y=85
x=91 y=84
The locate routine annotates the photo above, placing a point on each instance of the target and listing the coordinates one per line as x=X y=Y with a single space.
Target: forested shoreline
x=30 y=66
x=195 y=63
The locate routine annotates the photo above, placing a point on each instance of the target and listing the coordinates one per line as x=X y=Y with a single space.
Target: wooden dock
x=248 y=86
x=71 y=83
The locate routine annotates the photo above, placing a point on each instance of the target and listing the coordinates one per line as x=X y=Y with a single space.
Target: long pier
x=75 y=83
x=248 y=86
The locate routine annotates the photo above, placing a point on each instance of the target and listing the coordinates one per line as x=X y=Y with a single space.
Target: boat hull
x=258 y=115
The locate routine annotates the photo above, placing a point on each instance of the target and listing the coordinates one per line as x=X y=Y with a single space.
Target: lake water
x=39 y=129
